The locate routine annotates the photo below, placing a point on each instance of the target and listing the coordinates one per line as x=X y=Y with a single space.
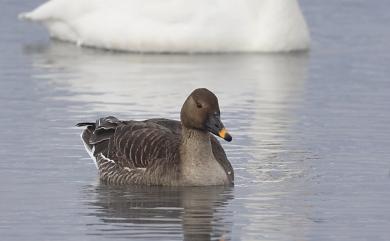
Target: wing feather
x=139 y=144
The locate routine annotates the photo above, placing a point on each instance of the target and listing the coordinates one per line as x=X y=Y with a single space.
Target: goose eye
x=199 y=105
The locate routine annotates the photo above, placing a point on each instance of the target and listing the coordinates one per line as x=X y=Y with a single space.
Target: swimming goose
x=161 y=151
x=177 y=25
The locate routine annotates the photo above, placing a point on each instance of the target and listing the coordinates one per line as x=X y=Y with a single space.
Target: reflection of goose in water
x=149 y=212
x=158 y=82
x=177 y=25
x=274 y=119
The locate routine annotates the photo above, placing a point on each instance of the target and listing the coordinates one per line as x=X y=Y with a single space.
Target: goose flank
x=162 y=151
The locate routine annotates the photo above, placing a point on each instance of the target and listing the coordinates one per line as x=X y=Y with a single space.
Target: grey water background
x=311 y=135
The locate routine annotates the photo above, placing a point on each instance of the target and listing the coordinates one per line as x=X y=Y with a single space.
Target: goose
x=187 y=26
x=162 y=151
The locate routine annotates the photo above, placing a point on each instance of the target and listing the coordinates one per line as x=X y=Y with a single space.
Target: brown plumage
x=161 y=151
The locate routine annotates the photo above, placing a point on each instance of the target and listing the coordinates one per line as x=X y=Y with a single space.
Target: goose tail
x=86 y=135
x=96 y=135
x=81 y=124
x=47 y=11
x=26 y=16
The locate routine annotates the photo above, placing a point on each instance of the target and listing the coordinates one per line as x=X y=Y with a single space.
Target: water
x=310 y=133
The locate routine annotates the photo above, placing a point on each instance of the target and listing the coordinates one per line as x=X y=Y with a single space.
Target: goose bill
x=215 y=126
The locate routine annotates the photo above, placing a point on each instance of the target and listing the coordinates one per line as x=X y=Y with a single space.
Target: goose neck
x=195 y=141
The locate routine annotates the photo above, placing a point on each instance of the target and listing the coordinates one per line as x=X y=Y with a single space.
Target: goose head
x=201 y=111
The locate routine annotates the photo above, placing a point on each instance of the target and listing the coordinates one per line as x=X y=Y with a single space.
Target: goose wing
x=130 y=144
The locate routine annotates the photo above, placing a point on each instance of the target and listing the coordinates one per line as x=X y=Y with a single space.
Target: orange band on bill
x=222 y=133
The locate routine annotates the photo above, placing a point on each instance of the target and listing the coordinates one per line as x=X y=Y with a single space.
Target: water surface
x=310 y=133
